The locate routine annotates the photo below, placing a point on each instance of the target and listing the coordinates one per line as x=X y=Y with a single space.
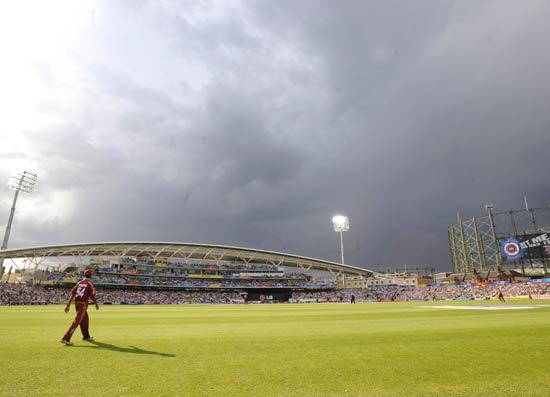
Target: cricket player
x=501 y=296
x=82 y=292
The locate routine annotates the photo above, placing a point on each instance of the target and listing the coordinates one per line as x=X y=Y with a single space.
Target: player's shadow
x=130 y=349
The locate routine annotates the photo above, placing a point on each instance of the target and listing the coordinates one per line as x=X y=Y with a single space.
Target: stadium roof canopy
x=210 y=252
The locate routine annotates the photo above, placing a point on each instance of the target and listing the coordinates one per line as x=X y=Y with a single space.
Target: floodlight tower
x=19 y=182
x=489 y=209
x=340 y=225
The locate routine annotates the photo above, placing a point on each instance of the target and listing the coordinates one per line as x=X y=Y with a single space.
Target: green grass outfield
x=381 y=349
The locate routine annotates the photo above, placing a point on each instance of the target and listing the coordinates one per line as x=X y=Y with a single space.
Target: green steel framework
x=473 y=242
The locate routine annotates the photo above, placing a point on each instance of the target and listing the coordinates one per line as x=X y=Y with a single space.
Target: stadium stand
x=179 y=275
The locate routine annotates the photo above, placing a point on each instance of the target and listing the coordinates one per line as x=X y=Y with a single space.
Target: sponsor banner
x=204 y=276
x=258 y=274
x=526 y=246
x=46 y=282
x=70 y=280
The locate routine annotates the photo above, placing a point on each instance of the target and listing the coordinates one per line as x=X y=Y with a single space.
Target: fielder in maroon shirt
x=82 y=292
x=501 y=296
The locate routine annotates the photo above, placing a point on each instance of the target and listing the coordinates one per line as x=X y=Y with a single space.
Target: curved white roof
x=183 y=251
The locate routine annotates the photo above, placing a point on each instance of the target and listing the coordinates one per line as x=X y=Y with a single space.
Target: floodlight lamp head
x=488 y=207
x=340 y=223
x=22 y=181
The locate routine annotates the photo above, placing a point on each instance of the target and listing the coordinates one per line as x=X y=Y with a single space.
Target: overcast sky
x=253 y=123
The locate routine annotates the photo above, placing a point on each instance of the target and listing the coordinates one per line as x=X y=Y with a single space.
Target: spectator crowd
x=25 y=294
x=28 y=294
x=440 y=292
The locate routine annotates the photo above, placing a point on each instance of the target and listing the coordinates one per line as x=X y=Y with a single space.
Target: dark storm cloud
x=432 y=103
x=253 y=123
